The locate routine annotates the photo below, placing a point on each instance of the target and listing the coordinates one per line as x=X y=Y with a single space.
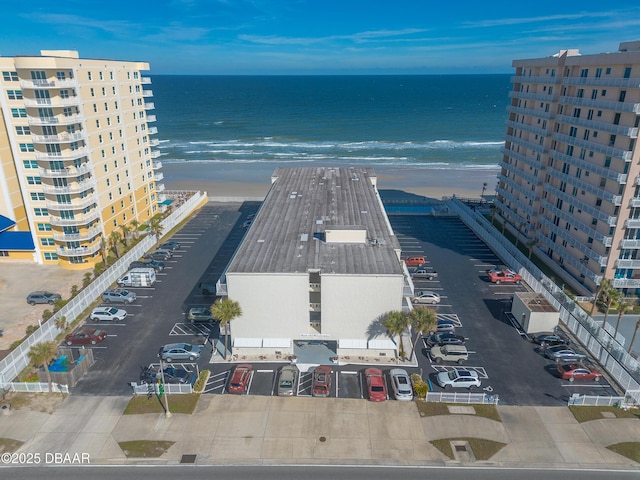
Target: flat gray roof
x=288 y=233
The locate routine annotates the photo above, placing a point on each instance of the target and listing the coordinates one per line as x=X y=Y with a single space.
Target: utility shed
x=534 y=312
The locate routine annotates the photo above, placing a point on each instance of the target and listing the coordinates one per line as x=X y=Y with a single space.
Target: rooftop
x=329 y=220
x=536 y=302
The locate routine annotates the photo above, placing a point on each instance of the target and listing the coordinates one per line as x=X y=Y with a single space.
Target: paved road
x=278 y=472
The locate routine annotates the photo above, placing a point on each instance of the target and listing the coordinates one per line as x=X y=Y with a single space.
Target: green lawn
x=177 y=404
x=586 y=414
x=145 y=448
x=430 y=409
x=482 y=448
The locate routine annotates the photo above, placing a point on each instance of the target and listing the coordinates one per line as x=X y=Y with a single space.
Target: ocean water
x=424 y=122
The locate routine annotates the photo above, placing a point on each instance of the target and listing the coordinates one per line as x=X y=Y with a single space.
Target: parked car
x=449 y=353
x=401 y=384
x=563 y=353
x=247 y=223
x=416 y=261
x=376 y=387
x=86 y=336
x=164 y=251
x=240 y=378
x=549 y=339
x=458 y=378
x=43 y=297
x=108 y=314
x=287 y=381
x=444 y=338
x=207 y=288
x=171 y=374
x=499 y=276
x=170 y=245
x=321 y=383
x=425 y=272
x=180 y=351
x=118 y=295
x=578 y=371
x=158 y=255
x=426 y=297
x=199 y=314
x=445 y=326
x=157 y=265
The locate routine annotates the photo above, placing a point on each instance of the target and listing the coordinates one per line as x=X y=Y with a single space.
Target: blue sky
x=318 y=36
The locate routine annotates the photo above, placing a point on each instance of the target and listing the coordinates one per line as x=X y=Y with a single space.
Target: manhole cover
x=461 y=448
x=188 y=459
x=323 y=439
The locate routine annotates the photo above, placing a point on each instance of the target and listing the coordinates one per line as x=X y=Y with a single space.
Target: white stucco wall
x=273 y=305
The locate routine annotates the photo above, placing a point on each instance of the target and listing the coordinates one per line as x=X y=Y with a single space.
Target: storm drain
x=461 y=448
x=188 y=459
x=323 y=439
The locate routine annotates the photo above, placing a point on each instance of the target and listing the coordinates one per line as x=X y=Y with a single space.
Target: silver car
x=180 y=351
x=118 y=295
x=287 y=381
x=427 y=297
x=563 y=353
x=401 y=384
x=108 y=314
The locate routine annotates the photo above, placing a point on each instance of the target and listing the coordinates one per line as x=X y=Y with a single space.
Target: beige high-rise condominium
x=570 y=179
x=76 y=156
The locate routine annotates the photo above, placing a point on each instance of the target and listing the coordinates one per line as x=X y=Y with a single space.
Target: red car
x=578 y=371
x=375 y=385
x=499 y=276
x=87 y=336
x=321 y=385
x=240 y=378
x=414 y=261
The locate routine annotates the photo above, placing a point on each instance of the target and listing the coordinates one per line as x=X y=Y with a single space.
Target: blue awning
x=16 y=241
x=5 y=223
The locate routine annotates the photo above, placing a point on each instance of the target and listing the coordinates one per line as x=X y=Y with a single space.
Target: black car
x=549 y=339
x=157 y=265
x=158 y=256
x=170 y=245
x=444 y=338
x=171 y=375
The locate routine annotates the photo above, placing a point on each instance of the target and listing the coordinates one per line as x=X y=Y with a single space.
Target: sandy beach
x=254 y=180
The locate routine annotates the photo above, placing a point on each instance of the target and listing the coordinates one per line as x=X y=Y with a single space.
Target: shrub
x=86 y=280
x=98 y=269
x=16 y=344
x=201 y=382
x=30 y=329
x=74 y=290
x=46 y=315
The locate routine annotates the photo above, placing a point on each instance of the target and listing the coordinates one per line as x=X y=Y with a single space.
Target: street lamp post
x=167 y=413
x=484 y=189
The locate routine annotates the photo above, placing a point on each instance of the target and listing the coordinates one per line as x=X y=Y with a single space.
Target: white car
x=458 y=378
x=401 y=384
x=108 y=314
x=427 y=297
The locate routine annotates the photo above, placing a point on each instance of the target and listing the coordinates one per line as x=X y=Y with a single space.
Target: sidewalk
x=252 y=429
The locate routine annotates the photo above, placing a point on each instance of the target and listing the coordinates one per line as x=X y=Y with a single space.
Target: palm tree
x=484 y=189
x=604 y=286
x=633 y=338
x=396 y=323
x=135 y=225
x=114 y=238
x=103 y=250
x=41 y=354
x=226 y=310
x=422 y=320
x=624 y=305
x=62 y=324
x=612 y=296
x=155 y=227
x=126 y=230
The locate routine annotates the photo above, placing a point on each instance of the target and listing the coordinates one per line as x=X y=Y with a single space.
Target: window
x=19 y=112
x=622 y=96
x=98 y=123
x=584 y=72
x=89 y=76
x=27 y=147
x=14 y=94
x=100 y=75
x=44 y=227
x=598 y=72
x=60 y=76
x=50 y=256
x=93 y=93
x=627 y=72
x=10 y=76
x=580 y=93
x=594 y=94
x=38 y=75
x=37 y=196
x=598 y=202
x=47 y=242
x=30 y=164
x=41 y=212
x=23 y=131
x=34 y=180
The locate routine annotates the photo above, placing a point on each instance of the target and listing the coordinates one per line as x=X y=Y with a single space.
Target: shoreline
x=225 y=180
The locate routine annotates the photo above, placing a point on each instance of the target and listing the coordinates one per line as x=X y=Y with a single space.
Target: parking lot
x=506 y=363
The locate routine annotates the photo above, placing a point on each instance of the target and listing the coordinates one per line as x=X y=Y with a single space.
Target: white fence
x=17 y=360
x=462 y=397
x=169 y=388
x=610 y=354
x=596 y=401
x=35 y=387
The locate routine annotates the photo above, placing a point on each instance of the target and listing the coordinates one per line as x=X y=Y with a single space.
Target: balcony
x=149 y=106
x=60 y=138
x=632 y=223
x=603 y=81
x=69 y=83
x=154 y=142
x=634 y=202
x=147 y=93
x=151 y=118
x=630 y=132
x=532 y=162
x=68 y=172
x=53 y=102
x=155 y=153
x=160 y=187
x=536 y=147
x=75 y=205
x=79 y=251
x=631 y=244
x=75 y=187
x=627 y=263
x=156 y=165
x=595 y=212
x=541 y=97
x=531 y=112
x=77 y=237
x=590 y=167
x=158 y=176
x=596 y=147
x=54 y=121
x=315 y=307
x=626 y=282
x=145 y=80
x=528 y=128
x=68 y=156
x=603 y=104
x=538 y=79
x=78 y=220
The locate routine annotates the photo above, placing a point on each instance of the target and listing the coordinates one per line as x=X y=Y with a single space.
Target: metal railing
x=36 y=387
x=17 y=360
x=462 y=397
x=169 y=388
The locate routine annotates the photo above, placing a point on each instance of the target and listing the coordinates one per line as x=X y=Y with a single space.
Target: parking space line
x=591 y=384
x=264 y=371
x=451 y=317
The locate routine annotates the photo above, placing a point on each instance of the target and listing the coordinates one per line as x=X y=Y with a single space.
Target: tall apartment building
x=76 y=157
x=570 y=179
